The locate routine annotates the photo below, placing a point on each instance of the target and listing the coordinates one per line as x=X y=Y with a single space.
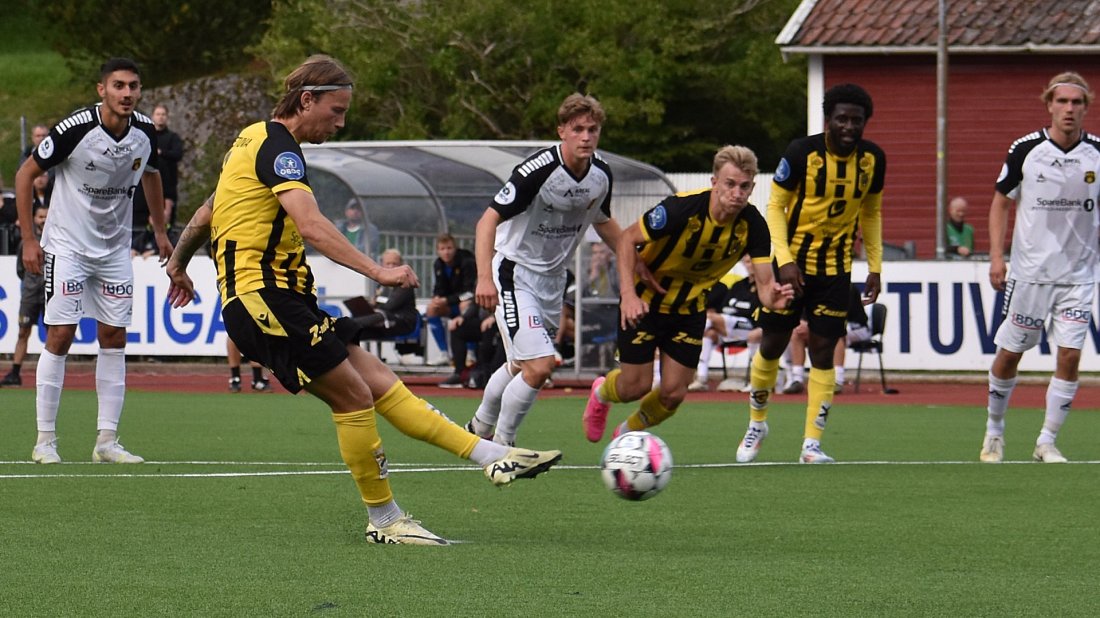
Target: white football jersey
x=95 y=176
x=1057 y=224
x=546 y=210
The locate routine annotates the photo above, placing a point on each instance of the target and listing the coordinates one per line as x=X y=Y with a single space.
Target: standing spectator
x=99 y=153
x=353 y=228
x=525 y=240
x=269 y=301
x=1051 y=175
x=32 y=303
x=170 y=152
x=826 y=186
x=671 y=321
x=453 y=293
x=38 y=133
x=960 y=234
x=603 y=279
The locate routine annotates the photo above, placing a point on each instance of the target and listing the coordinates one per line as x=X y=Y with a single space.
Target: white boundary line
x=433 y=468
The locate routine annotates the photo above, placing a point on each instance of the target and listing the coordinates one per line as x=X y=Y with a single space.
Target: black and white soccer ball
x=636 y=465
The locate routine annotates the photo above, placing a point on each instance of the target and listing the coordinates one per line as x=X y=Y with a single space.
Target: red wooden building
x=1001 y=54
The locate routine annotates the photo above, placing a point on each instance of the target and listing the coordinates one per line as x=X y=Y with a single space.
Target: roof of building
x=911 y=26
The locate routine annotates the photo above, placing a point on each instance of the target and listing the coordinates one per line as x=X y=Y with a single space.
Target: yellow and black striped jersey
x=822 y=199
x=688 y=252
x=256 y=244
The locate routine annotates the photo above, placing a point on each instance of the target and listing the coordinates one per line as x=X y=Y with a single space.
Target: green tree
x=678 y=78
x=172 y=41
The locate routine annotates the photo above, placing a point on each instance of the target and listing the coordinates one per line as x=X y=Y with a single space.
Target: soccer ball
x=636 y=465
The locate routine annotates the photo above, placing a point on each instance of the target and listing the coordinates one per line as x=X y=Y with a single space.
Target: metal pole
x=941 y=130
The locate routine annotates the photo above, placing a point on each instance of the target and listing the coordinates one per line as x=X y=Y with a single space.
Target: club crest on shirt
x=1090 y=177
x=506 y=195
x=289 y=165
x=783 y=171
x=657 y=218
x=137 y=164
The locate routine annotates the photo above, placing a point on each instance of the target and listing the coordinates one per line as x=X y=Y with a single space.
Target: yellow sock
x=650 y=412
x=419 y=419
x=819 y=401
x=361 y=448
x=608 y=389
x=761 y=380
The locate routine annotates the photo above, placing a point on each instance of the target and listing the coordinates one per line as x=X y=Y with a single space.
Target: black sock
x=235 y=372
x=257 y=374
x=15 y=367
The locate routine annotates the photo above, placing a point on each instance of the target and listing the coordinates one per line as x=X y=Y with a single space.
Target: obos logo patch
x=1004 y=172
x=506 y=195
x=657 y=218
x=45 y=149
x=289 y=165
x=782 y=172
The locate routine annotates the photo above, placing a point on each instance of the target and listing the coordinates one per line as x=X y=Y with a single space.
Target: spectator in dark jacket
x=455 y=281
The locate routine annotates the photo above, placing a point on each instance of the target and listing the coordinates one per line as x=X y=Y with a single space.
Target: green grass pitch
x=244 y=509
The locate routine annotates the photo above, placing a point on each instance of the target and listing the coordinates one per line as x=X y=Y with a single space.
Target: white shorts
x=528 y=309
x=857 y=333
x=1065 y=310
x=102 y=289
x=734 y=328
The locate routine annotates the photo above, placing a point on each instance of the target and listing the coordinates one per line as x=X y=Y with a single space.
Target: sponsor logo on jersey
x=578 y=192
x=657 y=218
x=534 y=321
x=45 y=149
x=72 y=288
x=1065 y=162
x=289 y=165
x=106 y=193
x=506 y=195
x=782 y=172
x=557 y=231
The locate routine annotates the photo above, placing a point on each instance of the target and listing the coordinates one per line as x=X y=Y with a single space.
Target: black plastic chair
x=874 y=344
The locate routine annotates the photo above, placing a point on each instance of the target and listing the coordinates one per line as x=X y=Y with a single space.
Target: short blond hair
x=578 y=104
x=1068 y=78
x=393 y=252
x=741 y=157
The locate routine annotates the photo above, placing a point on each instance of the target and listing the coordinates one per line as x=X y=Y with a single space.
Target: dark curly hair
x=847 y=93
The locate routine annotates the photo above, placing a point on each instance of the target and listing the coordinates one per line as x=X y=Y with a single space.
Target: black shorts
x=824 y=304
x=679 y=336
x=287 y=333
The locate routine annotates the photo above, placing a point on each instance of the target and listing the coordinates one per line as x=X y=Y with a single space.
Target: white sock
x=486 y=452
x=110 y=386
x=839 y=375
x=49 y=377
x=514 y=405
x=810 y=443
x=1000 y=391
x=384 y=514
x=798 y=374
x=489 y=409
x=703 y=370
x=1060 y=395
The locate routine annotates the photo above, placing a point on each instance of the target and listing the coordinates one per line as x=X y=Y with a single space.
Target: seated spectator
x=475 y=326
x=960 y=234
x=455 y=281
x=393 y=311
x=858 y=330
x=731 y=304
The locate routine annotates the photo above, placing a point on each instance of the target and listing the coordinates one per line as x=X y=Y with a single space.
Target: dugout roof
x=436 y=186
